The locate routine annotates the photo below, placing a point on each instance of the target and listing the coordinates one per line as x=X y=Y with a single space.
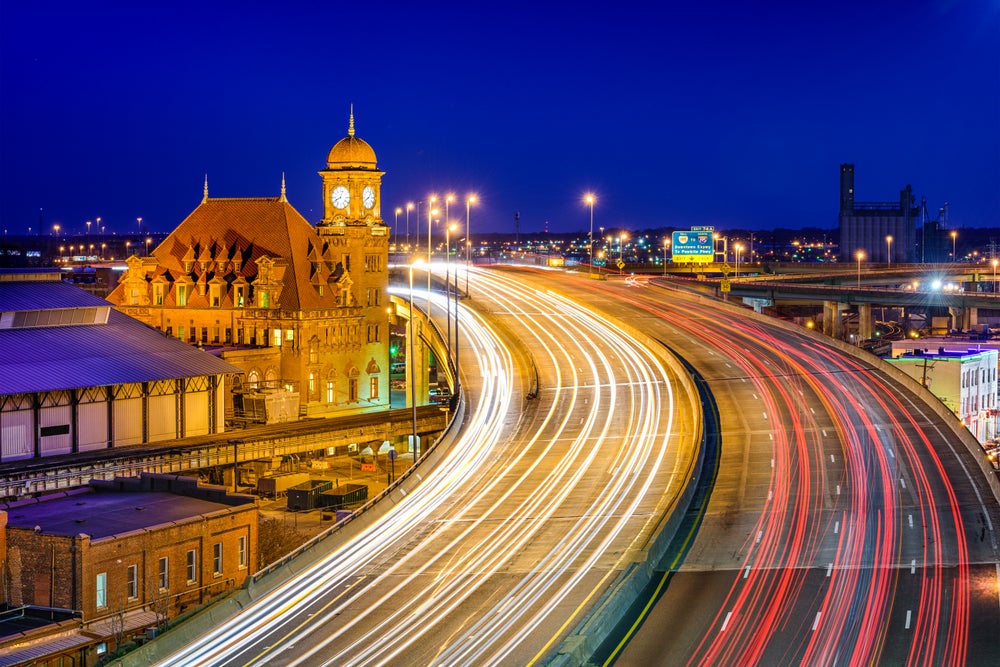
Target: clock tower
x=352 y=184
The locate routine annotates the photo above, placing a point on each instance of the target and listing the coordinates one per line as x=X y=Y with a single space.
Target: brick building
x=130 y=548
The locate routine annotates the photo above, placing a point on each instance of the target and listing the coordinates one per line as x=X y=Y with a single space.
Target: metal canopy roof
x=70 y=357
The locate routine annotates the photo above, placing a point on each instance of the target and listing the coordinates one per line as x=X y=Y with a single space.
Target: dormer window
x=265 y=299
x=158 y=294
x=214 y=295
x=240 y=296
x=182 y=295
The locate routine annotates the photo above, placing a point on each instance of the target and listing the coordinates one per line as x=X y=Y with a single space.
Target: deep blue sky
x=674 y=113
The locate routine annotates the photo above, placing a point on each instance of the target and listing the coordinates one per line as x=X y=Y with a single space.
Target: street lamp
x=888 y=251
x=469 y=201
x=409 y=207
x=589 y=200
x=395 y=224
x=88 y=228
x=739 y=250
x=431 y=212
x=995 y=262
x=860 y=255
x=148 y=241
x=411 y=367
x=666 y=245
x=139 y=224
x=447 y=282
x=55 y=228
x=954 y=238
x=621 y=251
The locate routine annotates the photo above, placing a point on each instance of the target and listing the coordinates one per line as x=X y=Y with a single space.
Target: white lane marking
x=726 y=622
x=765 y=415
x=816 y=622
x=829 y=569
x=913 y=566
x=760 y=534
x=824 y=433
x=836 y=527
x=910 y=518
x=838 y=489
x=832 y=460
x=907 y=626
x=812 y=411
x=902 y=482
x=746 y=572
x=772 y=463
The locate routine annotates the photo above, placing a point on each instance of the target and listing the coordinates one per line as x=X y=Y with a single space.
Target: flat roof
x=102 y=514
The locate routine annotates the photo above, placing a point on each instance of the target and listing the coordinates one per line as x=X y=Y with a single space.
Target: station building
x=76 y=375
x=886 y=232
x=302 y=309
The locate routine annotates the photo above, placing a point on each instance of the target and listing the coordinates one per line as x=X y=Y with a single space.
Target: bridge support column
x=964 y=319
x=865 y=328
x=833 y=321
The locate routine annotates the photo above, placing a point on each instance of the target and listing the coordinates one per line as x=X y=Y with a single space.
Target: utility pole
x=517 y=228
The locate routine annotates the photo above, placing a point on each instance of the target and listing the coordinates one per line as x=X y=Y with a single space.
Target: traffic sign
x=724 y=285
x=621 y=264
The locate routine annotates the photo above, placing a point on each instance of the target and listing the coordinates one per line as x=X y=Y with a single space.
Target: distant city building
x=301 y=309
x=866 y=226
x=965 y=380
x=123 y=555
x=76 y=375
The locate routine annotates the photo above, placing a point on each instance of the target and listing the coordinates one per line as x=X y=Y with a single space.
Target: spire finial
x=205 y=198
x=350 y=127
x=283 y=187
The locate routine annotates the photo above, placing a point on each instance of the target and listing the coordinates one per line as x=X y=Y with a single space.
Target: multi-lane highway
x=572 y=450
x=847 y=525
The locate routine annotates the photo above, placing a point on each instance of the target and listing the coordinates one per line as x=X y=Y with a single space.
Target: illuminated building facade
x=301 y=309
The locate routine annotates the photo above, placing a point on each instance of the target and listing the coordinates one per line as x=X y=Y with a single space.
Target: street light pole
x=666 y=244
x=995 y=262
x=431 y=211
x=860 y=255
x=589 y=199
x=395 y=224
x=409 y=207
x=411 y=366
x=888 y=251
x=469 y=201
x=954 y=240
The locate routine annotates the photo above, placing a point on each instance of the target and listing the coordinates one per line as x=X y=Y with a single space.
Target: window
x=242 y=549
x=102 y=590
x=352 y=390
x=373 y=262
x=265 y=299
x=277 y=338
x=132 y=582
x=180 y=333
x=164 y=573
x=158 y=295
x=182 y=295
x=289 y=335
x=192 y=566
x=373 y=388
x=313 y=352
x=312 y=385
x=329 y=392
x=214 y=294
x=217 y=559
x=239 y=297
x=133 y=298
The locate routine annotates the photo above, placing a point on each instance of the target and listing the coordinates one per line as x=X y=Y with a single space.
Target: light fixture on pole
x=447 y=284
x=738 y=250
x=411 y=369
x=666 y=245
x=888 y=251
x=860 y=256
x=995 y=262
x=954 y=240
x=409 y=207
x=589 y=200
x=431 y=212
x=469 y=201
x=395 y=224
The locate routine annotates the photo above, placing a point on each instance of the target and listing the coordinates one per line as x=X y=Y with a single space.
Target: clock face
x=340 y=197
x=368 y=197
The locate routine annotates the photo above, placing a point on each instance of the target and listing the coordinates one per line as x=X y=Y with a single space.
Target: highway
x=846 y=526
x=571 y=451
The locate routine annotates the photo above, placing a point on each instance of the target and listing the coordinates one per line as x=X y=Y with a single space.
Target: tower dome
x=351 y=152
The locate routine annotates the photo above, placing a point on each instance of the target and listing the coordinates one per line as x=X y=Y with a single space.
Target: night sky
x=674 y=113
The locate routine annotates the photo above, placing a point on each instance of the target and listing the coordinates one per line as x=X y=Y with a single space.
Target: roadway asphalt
x=847 y=524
